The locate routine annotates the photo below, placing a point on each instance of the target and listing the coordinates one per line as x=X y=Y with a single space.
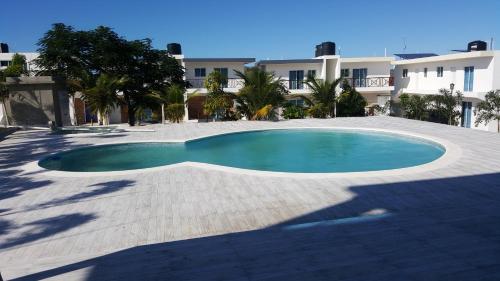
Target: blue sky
x=265 y=28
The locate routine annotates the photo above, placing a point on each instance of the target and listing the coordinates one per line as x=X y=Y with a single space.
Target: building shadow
x=439 y=229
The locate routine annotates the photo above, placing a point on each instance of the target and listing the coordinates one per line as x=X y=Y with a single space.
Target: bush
x=351 y=103
x=293 y=112
x=175 y=112
x=318 y=111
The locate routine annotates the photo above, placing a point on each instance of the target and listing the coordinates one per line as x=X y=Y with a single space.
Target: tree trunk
x=5 y=113
x=498 y=125
x=131 y=114
x=163 y=113
x=73 y=113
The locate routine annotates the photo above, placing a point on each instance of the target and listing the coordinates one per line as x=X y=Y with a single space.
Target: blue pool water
x=304 y=151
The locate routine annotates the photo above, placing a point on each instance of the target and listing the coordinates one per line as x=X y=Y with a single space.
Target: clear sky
x=263 y=29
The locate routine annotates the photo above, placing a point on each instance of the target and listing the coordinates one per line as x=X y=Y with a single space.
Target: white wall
x=283 y=70
x=486 y=78
x=496 y=71
x=115 y=117
x=416 y=82
x=209 y=66
x=375 y=69
x=29 y=59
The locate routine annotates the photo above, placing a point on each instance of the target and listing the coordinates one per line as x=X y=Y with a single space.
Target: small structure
x=35 y=101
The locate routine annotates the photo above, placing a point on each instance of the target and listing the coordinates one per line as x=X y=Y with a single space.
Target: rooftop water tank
x=325 y=49
x=328 y=48
x=477 y=45
x=4 y=48
x=318 y=52
x=174 y=49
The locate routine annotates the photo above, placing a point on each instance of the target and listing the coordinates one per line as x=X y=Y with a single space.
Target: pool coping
x=452 y=153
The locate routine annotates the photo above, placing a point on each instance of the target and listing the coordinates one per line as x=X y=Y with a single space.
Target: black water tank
x=328 y=48
x=4 y=48
x=318 y=52
x=174 y=49
x=477 y=46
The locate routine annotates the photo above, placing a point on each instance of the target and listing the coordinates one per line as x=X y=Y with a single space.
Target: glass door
x=359 y=77
x=466 y=114
x=296 y=79
x=468 y=78
x=225 y=74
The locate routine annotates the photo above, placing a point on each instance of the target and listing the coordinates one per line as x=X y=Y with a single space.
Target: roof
x=415 y=56
x=457 y=56
x=367 y=59
x=244 y=60
x=264 y=62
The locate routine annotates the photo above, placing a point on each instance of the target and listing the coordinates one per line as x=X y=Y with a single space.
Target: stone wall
x=34 y=101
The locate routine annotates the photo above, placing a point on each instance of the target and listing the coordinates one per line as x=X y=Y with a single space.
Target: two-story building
x=474 y=73
x=196 y=71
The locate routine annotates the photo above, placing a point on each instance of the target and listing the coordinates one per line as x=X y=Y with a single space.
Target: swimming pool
x=290 y=150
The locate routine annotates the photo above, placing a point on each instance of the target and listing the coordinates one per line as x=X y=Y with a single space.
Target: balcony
x=371 y=82
x=231 y=83
x=296 y=85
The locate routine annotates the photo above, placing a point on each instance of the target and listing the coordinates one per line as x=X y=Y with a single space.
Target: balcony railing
x=230 y=83
x=295 y=84
x=370 y=82
x=237 y=83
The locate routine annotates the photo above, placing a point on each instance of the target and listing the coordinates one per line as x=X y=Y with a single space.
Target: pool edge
x=451 y=154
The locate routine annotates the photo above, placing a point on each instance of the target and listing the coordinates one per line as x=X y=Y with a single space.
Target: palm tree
x=350 y=102
x=175 y=103
x=103 y=97
x=446 y=105
x=414 y=106
x=261 y=95
x=489 y=109
x=324 y=95
x=217 y=102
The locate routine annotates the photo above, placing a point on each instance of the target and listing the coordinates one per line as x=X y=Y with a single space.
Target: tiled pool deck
x=198 y=223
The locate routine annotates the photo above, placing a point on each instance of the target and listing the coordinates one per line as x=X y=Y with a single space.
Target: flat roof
x=263 y=62
x=468 y=55
x=415 y=56
x=367 y=59
x=245 y=60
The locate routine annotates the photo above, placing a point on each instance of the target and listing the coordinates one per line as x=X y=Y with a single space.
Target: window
x=359 y=77
x=224 y=72
x=296 y=102
x=311 y=73
x=344 y=72
x=200 y=72
x=468 y=78
x=425 y=72
x=296 y=79
x=439 y=71
x=405 y=73
x=4 y=62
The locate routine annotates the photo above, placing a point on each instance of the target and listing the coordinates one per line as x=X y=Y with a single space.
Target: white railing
x=230 y=83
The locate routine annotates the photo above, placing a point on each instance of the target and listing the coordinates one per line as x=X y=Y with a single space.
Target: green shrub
x=318 y=111
x=175 y=112
x=293 y=112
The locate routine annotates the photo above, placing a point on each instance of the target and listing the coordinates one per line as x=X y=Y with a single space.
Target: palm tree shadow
x=440 y=229
x=47 y=227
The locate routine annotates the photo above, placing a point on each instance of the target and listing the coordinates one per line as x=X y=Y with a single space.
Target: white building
x=196 y=71
x=473 y=73
x=6 y=60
